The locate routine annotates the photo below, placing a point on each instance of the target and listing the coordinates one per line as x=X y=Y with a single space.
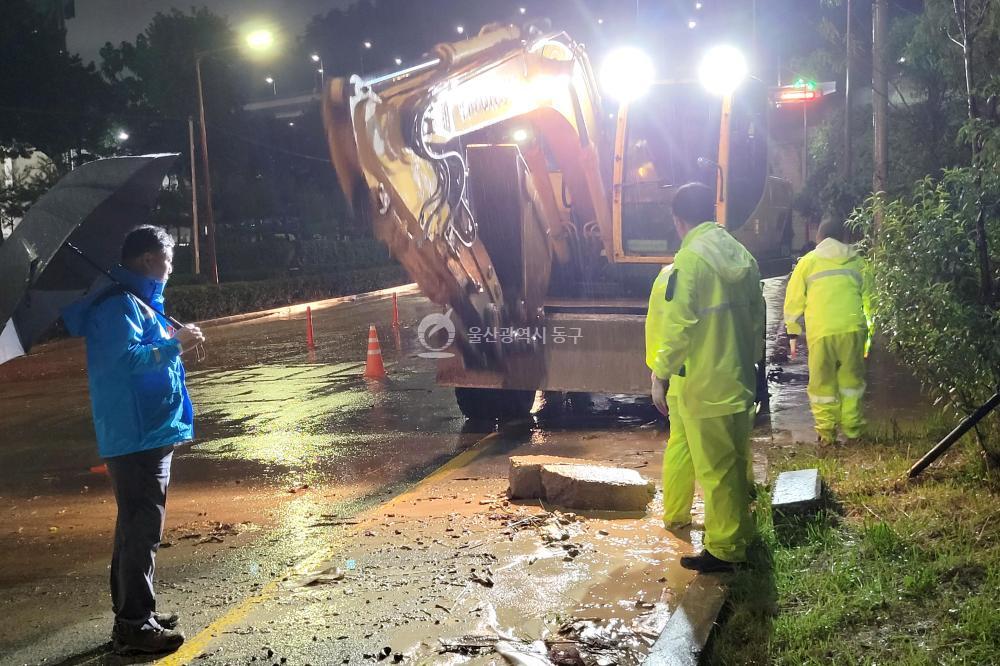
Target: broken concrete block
x=595 y=487
x=797 y=493
x=525 y=474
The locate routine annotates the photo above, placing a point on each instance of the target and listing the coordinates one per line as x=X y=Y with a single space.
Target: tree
x=155 y=77
x=29 y=180
x=934 y=262
x=50 y=101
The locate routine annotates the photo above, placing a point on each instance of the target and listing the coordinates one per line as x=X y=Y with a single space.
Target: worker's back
x=828 y=286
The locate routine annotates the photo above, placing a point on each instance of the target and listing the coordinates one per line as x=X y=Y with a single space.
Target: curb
x=686 y=632
x=300 y=308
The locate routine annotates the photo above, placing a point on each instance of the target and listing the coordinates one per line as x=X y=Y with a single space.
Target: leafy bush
x=200 y=302
x=934 y=302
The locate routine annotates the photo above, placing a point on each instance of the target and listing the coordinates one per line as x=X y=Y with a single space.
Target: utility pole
x=880 y=95
x=213 y=267
x=195 y=229
x=847 y=99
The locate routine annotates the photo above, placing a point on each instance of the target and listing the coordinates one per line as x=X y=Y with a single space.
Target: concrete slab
x=686 y=632
x=797 y=493
x=526 y=474
x=596 y=488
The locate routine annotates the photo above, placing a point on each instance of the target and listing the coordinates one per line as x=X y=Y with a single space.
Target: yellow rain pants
x=837 y=383
x=716 y=450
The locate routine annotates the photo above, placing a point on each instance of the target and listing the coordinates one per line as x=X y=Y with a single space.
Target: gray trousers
x=139 y=481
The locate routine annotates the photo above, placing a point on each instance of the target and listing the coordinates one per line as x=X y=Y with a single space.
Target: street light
x=460 y=29
x=523 y=10
x=692 y=24
x=319 y=59
x=274 y=86
x=398 y=61
x=122 y=135
x=258 y=40
x=367 y=45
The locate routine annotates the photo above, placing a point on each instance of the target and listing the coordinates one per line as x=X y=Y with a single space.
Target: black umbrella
x=92 y=208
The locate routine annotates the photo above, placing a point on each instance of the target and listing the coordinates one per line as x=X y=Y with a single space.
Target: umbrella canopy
x=93 y=207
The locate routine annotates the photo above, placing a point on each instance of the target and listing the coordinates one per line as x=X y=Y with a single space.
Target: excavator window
x=668 y=131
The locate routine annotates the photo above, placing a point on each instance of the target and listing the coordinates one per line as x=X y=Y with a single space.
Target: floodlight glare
x=315 y=57
x=520 y=135
x=627 y=74
x=260 y=39
x=123 y=135
x=722 y=70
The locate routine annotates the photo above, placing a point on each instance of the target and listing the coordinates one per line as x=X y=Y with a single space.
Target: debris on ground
x=578 y=484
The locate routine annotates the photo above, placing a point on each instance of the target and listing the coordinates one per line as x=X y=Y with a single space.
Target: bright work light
x=627 y=74
x=722 y=70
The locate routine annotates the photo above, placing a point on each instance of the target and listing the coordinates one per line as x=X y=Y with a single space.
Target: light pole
x=260 y=39
x=274 y=86
x=365 y=46
x=318 y=59
x=213 y=266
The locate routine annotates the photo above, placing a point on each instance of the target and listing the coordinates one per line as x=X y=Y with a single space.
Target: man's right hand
x=658 y=391
x=190 y=337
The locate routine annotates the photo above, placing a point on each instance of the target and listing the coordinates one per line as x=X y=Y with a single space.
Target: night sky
x=100 y=21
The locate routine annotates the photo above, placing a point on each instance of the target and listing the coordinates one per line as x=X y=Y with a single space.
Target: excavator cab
x=680 y=133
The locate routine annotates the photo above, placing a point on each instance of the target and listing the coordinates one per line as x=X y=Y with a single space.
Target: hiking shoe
x=705 y=562
x=167 y=620
x=129 y=639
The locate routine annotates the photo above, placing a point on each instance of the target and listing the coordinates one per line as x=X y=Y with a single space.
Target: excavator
x=536 y=215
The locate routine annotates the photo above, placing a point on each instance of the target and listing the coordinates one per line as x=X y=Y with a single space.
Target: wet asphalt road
x=280 y=431
x=289 y=441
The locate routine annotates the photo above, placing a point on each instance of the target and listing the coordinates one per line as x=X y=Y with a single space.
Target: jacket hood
x=834 y=250
x=730 y=260
x=75 y=314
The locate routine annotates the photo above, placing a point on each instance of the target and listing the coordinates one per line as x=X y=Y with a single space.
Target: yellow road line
x=195 y=645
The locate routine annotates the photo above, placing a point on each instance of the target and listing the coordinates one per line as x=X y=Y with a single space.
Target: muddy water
x=892 y=395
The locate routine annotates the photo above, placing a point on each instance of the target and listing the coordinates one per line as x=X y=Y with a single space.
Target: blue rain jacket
x=137 y=392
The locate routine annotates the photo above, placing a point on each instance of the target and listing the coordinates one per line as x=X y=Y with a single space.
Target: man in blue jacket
x=141 y=411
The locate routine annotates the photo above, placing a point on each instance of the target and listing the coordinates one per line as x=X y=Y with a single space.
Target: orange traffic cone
x=374 y=369
x=310 y=339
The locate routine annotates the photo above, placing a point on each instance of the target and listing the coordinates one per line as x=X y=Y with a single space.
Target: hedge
x=200 y=302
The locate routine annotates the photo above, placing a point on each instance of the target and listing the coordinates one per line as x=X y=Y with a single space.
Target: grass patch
x=896 y=573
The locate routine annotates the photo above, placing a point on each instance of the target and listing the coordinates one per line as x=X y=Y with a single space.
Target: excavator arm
x=425 y=155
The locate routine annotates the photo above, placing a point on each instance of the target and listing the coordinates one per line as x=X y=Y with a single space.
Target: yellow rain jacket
x=705 y=331
x=831 y=287
x=710 y=329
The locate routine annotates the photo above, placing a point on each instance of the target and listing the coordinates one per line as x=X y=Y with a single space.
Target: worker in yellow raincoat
x=704 y=333
x=830 y=287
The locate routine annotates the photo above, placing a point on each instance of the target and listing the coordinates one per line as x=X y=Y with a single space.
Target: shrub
x=929 y=294
x=205 y=301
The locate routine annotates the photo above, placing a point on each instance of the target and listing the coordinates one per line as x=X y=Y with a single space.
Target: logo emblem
x=431 y=327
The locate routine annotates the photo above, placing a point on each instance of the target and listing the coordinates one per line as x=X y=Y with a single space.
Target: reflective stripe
x=834 y=272
x=156 y=354
x=822 y=399
x=853 y=392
